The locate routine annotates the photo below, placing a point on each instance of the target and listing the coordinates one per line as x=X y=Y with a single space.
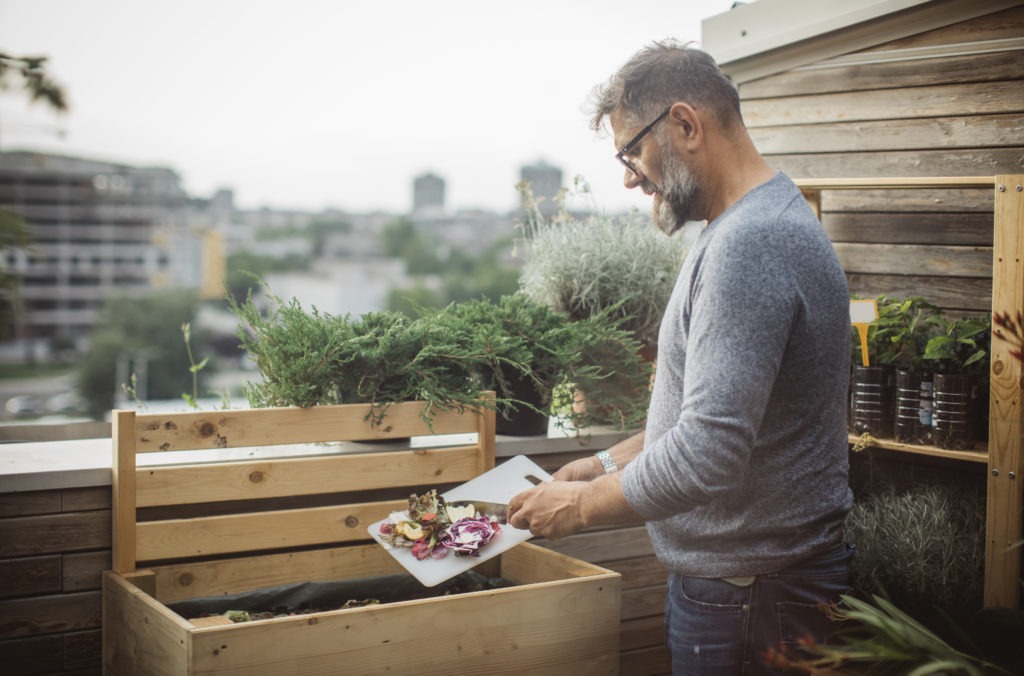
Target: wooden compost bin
x=228 y=526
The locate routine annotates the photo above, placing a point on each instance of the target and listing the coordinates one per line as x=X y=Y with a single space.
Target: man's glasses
x=622 y=155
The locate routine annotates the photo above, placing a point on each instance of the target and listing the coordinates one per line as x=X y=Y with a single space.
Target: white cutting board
x=497 y=485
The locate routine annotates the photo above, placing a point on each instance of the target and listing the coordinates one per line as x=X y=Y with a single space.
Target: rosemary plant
x=584 y=266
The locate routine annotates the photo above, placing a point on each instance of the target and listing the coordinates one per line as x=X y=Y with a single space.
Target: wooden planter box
x=229 y=526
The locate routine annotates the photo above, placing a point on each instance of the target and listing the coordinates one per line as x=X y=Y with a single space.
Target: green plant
x=961 y=345
x=445 y=357
x=380 y=358
x=584 y=266
x=879 y=638
x=922 y=546
x=900 y=334
x=524 y=341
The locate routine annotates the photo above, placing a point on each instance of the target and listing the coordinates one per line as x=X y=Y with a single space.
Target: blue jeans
x=715 y=627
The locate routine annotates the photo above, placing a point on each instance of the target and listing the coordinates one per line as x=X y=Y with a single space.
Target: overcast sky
x=308 y=105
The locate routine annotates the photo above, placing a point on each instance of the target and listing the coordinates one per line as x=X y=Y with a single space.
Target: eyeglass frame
x=625 y=150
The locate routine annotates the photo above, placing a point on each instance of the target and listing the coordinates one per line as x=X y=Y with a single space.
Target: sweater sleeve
x=739 y=312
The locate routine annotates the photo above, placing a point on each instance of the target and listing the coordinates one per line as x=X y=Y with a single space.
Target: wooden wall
x=948 y=102
x=54 y=546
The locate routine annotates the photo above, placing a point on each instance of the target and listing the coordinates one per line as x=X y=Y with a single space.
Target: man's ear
x=687 y=123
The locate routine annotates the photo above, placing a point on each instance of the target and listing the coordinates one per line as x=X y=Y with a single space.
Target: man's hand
x=582 y=469
x=552 y=510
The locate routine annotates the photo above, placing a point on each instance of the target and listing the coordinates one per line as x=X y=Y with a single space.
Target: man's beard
x=679 y=195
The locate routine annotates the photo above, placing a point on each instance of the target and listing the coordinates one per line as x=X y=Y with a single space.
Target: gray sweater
x=745 y=467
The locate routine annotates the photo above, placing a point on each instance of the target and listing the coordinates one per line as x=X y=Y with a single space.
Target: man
x=741 y=473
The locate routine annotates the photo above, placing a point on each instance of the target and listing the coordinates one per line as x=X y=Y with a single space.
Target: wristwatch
x=606 y=461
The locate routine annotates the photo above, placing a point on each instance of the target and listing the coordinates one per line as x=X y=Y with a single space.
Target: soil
x=314 y=597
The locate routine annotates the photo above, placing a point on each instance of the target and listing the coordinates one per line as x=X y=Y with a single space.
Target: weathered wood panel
x=85 y=570
x=915 y=259
x=961 y=293
x=32 y=656
x=83 y=649
x=25 y=504
x=910 y=228
x=995 y=67
x=887 y=135
x=928 y=201
x=942 y=162
x=51 y=533
x=982 y=98
x=30 y=576
x=53 y=614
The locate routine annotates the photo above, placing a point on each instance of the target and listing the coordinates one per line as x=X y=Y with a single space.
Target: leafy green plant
x=584 y=266
x=900 y=334
x=961 y=345
x=880 y=638
x=527 y=341
x=445 y=357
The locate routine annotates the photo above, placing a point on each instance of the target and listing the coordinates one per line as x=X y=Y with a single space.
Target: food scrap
x=432 y=528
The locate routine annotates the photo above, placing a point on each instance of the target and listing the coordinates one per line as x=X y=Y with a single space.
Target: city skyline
x=321 y=105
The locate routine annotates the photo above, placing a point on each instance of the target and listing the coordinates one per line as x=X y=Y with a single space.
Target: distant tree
x=14 y=234
x=243 y=267
x=321 y=228
x=35 y=81
x=146 y=330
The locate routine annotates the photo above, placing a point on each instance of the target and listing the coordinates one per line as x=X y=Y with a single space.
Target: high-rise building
x=428 y=194
x=97 y=228
x=545 y=181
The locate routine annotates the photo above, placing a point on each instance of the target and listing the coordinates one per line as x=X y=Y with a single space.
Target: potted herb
x=906 y=330
x=312 y=358
x=587 y=265
x=959 y=354
x=530 y=352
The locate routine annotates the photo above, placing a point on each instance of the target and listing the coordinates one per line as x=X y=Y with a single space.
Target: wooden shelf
x=979 y=454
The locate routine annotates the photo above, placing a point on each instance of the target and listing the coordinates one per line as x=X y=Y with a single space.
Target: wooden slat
x=136 y=626
x=288 y=425
x=978 y=455
x=33 y=655
x=85 y=499
x=238 y=575
x=1006 y=417
x=895 y=182
x=994 y=26
x=82 y=650
x=641 y=571
x=915 y=259
x=643 y=632
x=545 y=629
x=942 y=200
x=27 y=504
x=84 y=571
x=216 y=535
x=982 y=162
x=643 y=602
x=221 y=482
x=960 y=293
x=877 y=135
x=123 y=490
x=995 y=67
x=54 y=533
x=910 y=228
x=982 y=98
x=603 y=545
x=34 y=575
x=50 y=614
x=653 y=661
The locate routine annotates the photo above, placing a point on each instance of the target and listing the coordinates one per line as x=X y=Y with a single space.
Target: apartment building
x=97 y=228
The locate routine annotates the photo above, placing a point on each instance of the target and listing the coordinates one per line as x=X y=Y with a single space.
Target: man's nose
x=632 y=179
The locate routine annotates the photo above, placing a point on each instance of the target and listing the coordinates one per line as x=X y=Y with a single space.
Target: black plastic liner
x=304 y=597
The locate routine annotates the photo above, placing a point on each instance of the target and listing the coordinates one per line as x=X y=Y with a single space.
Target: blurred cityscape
x=98 y=232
